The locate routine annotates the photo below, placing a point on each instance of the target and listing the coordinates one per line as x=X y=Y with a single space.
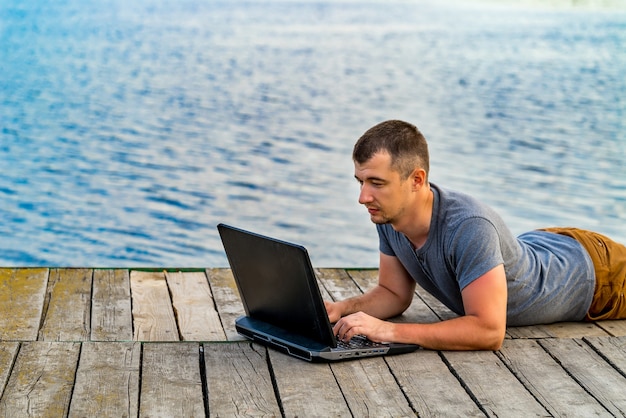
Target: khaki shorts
x=609 y=261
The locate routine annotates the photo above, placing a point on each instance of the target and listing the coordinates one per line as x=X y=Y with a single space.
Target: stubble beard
x=380 y=219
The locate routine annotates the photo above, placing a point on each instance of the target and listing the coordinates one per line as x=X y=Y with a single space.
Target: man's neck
x=417 y=227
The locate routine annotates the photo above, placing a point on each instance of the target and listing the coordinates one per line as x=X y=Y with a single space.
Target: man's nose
x=364 y=196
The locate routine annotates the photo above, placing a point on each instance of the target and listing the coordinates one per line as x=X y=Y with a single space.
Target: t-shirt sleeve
x=383 y=242
x=475 y=249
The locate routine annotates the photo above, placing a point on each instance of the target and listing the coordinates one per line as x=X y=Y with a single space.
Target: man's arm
x=389 y=298
x=481 y=328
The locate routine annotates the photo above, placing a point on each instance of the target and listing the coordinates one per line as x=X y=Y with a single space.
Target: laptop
x=283 y=305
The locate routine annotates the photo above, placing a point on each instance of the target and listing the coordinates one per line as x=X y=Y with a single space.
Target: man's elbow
x=489 y=337
x=494 y=340
x=404 y=304
x=484 y=333
x=496 y=344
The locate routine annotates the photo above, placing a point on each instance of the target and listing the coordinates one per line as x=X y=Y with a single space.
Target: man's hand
x=357 y=323
x=363 y=324
x=333 y=310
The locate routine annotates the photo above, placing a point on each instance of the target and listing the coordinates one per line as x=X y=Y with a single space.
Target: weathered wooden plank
x=8 y=351
x=418 y=311
x=323 y=292
x=111 y=314
x=557 y=330
x=615 y=327
x=370 y=389
x=547 y=381
x=430 y=387
x=153 y=315
x=107 y=380
x=227 y=300
x=335 y=284
x=493 y=385
x=239 y=381
x=575 y=330
x=22 y=291
x=171 y=385
x=365 y=279
x=194 y=307
x=534 y=331
x=67 y=308
x=338 y=283
x=612 y=348
x=41 y=381
x=435 y=305
x=307 y=389
x=591 y=371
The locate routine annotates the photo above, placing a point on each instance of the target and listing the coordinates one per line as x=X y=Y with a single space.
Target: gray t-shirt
x=550 y=277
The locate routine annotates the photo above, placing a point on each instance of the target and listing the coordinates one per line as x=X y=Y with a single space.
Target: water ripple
x=128 y=130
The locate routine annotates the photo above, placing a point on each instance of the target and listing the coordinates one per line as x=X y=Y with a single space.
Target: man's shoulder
x=455 y=206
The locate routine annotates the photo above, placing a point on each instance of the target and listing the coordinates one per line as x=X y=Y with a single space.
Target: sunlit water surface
x=129 y=129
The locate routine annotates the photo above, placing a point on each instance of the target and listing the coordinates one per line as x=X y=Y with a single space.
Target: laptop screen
x=276 y=282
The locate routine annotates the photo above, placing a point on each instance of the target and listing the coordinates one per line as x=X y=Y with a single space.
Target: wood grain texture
x=430 y=387
x=307 y=389
x=239 y=381
x=338 y=283
x=612 y=349
x=558 y=330
x=492 y=385
x=370 y=389
x=153 y=315
x=547 y=381
x=68 y=306
x=539 y=370
x=227 y=300
x=419 y=311
x=574 y=330
x=41 y=381
x=365 y=279
x=614 y=327
x=107 y=380
x=111 y=312
x=8 y=352
x=591 y=371
x=534 y=332
x=22 y=295
x=194 y=307
x=171 y=385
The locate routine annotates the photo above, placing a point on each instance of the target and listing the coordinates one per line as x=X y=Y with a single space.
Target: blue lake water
x=129 y=129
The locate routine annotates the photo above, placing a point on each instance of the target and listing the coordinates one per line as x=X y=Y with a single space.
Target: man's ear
x=418 y=178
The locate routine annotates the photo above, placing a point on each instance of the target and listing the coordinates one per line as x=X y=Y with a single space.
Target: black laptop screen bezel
x=277 y=283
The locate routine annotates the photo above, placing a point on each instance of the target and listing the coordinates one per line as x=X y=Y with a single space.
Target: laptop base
x=306 y=349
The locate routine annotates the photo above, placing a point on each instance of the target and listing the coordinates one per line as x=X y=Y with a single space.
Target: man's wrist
x=348 y=306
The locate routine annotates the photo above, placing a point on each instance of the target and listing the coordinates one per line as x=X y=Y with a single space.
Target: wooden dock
x=128 y=343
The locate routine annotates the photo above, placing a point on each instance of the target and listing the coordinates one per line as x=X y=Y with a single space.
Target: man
x=462 y=252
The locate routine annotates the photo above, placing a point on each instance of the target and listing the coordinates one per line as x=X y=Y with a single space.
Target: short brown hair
x=402 y=141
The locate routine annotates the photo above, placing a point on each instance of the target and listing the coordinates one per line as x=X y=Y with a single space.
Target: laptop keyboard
x=358 y=341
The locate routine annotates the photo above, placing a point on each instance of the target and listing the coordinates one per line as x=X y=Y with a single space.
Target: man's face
x=383 y=192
